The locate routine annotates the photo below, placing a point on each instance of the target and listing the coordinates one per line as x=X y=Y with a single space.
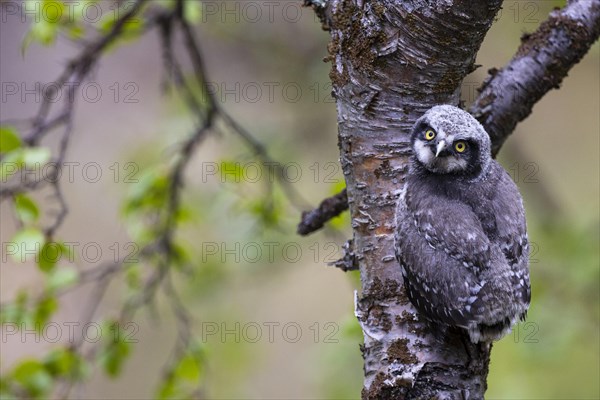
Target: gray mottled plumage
x=461 y=235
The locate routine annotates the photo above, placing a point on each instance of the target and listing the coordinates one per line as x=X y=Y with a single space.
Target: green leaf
x=185 y=214
x=79 y=9
x=5 y=390
x=114 y=358
x=133 y=27
x=76 y=32
x=64 y=363
x=167 y=389
x=180 y=254
x=137 y=228
x=62 y=277
x=33 y=377
x=192 y=11
x=266 y=211
x=47 y=23
x=50 y=254
x=131 y=30
x=45 y=308
x=54 y=11
x=139 y=189
x=184 y=376
x=25 y=242
x=26 y=209
x=16 y=312
x=43 y=32
x=116 y=350
x=232 y=171
x=133 y=277
x=150 y=192
x=36 y=156
x=106 y=23
x=188 y=369
x=9 y=139
x=11 y=163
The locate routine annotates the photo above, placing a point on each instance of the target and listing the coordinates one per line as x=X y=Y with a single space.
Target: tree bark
x=391 y=62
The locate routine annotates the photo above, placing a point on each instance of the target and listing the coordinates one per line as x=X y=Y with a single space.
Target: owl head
x=448 y=140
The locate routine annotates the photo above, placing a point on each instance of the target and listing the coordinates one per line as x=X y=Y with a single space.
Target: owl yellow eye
x=460 y=146
x=429 y=135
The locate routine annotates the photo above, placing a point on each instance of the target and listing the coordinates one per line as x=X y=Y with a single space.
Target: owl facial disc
x=448 y=140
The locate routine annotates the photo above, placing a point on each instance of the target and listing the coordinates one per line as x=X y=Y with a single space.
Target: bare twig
x=161 y=251
x=74 y=74
x=348 y=261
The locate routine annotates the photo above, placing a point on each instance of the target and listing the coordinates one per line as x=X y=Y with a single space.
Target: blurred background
x=275 y=321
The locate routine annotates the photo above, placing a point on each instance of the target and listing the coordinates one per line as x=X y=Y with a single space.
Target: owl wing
x=449 y=225
x=440 y=265
x=511 y=229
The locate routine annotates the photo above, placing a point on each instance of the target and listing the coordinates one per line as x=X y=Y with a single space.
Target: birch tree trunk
x=393 y=60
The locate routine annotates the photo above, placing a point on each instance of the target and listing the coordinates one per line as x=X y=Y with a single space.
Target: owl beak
x=440 y=147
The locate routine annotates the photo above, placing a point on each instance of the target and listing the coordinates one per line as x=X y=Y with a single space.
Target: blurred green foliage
x=554 y=355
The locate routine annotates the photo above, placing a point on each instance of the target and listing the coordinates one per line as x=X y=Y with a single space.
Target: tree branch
x=74 y=74
x=540 y=64
x=329 y=208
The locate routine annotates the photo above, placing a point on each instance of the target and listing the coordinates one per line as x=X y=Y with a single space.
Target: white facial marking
x=423 y=153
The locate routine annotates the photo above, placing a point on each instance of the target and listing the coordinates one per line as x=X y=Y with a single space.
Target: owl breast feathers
x=461 y=236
